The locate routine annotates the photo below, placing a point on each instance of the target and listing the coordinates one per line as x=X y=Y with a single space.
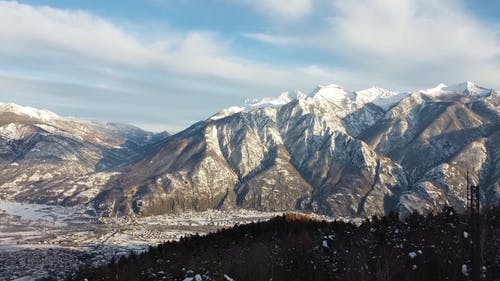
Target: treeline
x=295 y=247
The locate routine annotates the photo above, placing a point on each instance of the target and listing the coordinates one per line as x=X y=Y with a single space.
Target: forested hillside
x=296 y=247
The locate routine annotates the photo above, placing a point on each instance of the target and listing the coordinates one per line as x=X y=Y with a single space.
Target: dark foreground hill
x=295 y=247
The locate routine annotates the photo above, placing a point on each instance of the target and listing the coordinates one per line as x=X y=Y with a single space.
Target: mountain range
x=333 y=151
x=46 y=158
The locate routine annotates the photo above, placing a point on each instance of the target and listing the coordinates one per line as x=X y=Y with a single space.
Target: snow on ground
x=13 y=131
x=56 y=215
x=36 y=231
x=209 y=218
x=380 y=97
x=267 y=102
x=330 y=94
x=41 y=114
x=466 y=88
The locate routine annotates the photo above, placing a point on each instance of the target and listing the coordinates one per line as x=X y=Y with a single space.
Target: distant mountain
x=335 y=152
x=52 y=159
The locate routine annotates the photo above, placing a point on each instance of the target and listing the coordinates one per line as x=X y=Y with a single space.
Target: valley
x=77 y=194
x=37 y=240
x=250 y=140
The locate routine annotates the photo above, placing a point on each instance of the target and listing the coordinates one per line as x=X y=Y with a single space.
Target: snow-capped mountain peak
x=464 y=88
x=333 y=151
x=350 y=101
x=266 y=102
x=329 y=94
x=41 y=114
x=282 y=99
x=376 y=95
x=227 y=112
x=333 y=93
x=380 y=97
x=374 y=92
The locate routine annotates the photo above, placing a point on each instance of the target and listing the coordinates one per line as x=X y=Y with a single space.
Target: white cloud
x=285 y=11
x=273 y=39
x=67 y=56
x=54 y=35
x=401 y=44
x=426 y=39
x=412 y=43
x=28 y=30
x=427 y=31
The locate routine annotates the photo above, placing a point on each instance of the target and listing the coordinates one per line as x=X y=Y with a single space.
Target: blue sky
x=164 y=65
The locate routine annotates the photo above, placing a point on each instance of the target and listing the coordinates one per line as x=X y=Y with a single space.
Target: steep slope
x=439 y=135
x=336 y=152
x=235 y=161
x=289 y=153
x=333 y=151
x=347 y=175
x=48 y=158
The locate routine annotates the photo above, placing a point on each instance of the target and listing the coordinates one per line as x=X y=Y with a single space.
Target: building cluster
x=39 y=262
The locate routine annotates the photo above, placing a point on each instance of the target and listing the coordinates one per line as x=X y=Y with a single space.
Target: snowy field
x=36 y=239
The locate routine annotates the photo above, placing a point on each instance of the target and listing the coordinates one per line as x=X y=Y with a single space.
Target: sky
x=166 y=64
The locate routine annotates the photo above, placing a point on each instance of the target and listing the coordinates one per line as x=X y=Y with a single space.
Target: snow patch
x=266 y=102
x=332 y=93
x=465 y=271
x=57 y=215
x=13 y=131
x=227 y=112
x=40 y=114
x=465 y=88
x=325 y=244
x=384 y=99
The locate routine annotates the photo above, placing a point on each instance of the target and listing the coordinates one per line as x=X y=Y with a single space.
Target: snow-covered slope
x=52 y=159
x=380 y=97
x=466 y=88
x=40 y=114
x=347 y=101
x=334 y=151
x=266 y=102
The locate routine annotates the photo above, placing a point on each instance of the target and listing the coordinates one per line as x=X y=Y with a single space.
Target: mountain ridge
x=326 y=147
x=48 y=158
x=336 y=152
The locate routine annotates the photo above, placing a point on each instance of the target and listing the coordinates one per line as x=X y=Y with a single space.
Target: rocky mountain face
x=335 y=152
x=51 y=159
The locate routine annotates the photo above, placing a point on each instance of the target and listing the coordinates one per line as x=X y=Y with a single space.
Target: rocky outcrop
x=335 y=152
x=346 y=154
x=47 y=158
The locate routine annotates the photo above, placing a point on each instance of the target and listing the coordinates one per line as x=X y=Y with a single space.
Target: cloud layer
x=406 y=43
x=81 y=64
x=277 y=10
x=421 y=38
